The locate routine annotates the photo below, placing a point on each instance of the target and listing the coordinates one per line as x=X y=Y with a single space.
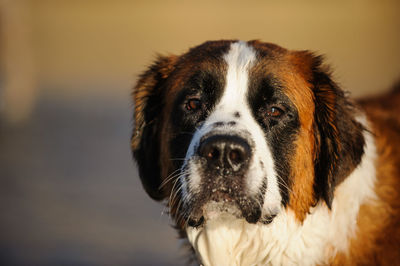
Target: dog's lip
x=196 y=223
x=220 y=200
x=214 y=209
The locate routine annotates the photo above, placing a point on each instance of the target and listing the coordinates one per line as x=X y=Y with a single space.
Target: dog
x=262 y=159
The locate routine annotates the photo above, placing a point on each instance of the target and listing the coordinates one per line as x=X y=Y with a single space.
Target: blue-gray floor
x=70 y=194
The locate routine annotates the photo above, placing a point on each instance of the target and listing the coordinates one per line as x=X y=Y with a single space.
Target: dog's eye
x=193 y=104
x=274 y=112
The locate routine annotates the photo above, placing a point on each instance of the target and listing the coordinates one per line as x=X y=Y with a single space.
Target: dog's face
x=247 y=129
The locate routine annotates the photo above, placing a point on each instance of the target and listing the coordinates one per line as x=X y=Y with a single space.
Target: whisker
x=174 y=192
x=181 y=201
x=281 y=181
x=284 y=184
x=170 y=177
x=173 y=199
x=174 y=196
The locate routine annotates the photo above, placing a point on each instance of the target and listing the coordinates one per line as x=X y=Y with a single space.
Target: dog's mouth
x=213 y=210
x=221 y=203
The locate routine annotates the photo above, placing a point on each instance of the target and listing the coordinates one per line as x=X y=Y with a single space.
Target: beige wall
x=97 y=47
x=18 y=87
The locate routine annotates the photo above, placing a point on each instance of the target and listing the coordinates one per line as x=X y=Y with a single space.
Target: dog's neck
x=227 y=240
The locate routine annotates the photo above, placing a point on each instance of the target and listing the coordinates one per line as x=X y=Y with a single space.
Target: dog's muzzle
x=224 y=162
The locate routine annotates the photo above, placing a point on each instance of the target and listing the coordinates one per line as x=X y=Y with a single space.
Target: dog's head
x=246 y=128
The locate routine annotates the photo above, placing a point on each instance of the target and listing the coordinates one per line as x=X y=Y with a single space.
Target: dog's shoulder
x=379 y=220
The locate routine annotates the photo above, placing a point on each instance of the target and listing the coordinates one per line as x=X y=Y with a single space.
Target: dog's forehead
x=228 y=60
x=219 y=51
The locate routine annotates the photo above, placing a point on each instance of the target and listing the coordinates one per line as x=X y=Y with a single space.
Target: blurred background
x=69 y=191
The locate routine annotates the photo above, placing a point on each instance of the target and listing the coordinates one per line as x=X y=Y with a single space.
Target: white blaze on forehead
x=239 y=59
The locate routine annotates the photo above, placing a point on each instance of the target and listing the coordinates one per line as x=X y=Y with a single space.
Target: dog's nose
x=225 y=153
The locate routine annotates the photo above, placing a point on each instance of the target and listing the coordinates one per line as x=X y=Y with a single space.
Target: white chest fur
x=226 y=240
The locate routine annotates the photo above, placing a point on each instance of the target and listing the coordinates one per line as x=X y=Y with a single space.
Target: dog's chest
x=230 y=241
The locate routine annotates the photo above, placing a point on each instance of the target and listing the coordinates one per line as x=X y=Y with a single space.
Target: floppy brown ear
x=339 y=137
x=145 y=141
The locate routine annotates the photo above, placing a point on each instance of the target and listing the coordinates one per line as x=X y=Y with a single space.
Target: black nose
x=225 y=153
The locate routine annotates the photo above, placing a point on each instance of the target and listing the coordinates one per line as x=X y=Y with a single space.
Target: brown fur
x=144 y=88
x=377 y=240
x=298 y=89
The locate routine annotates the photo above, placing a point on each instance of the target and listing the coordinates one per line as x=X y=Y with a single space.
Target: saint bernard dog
x=262 y=159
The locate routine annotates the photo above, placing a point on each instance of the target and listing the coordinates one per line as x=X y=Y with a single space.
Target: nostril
x=211 y=150
x=213 y=154
x=236 y=156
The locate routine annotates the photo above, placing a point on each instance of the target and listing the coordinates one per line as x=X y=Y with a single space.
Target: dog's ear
x=145 y=141
x=339 y=137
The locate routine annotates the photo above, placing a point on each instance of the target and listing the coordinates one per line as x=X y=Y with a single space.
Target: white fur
x=230 y=241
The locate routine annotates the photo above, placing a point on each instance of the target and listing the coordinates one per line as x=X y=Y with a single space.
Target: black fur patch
x=208 y=88
x=340 y=136
x=280 y=132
